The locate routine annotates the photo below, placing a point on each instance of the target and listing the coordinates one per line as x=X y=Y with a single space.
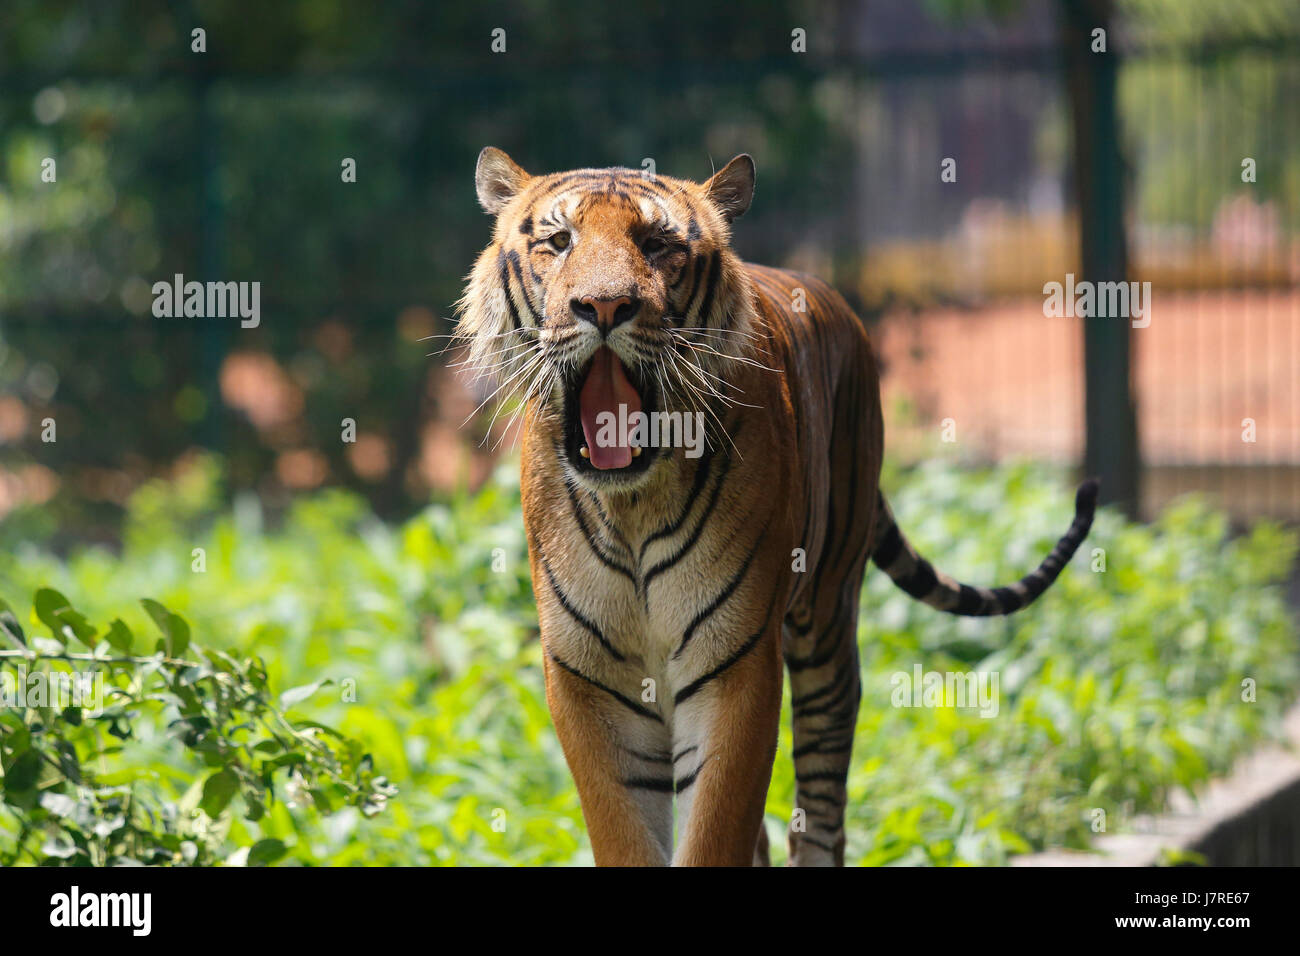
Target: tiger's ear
x=498 y=179
x=732 y=187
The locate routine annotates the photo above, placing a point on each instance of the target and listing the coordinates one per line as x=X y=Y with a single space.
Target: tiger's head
x=605 y=290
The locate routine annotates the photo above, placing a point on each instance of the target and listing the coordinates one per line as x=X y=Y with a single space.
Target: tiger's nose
x=605 y=314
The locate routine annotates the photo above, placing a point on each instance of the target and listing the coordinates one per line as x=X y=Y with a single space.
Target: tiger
x=676 y=584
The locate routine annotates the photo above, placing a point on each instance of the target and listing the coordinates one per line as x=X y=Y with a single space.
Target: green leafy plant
x=1117 y=687
x=78 y=725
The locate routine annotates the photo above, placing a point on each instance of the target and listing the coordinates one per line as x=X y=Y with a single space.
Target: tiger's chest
x=647 y=593
x=637 y=576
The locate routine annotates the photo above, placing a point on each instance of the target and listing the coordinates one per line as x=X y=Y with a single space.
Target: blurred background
x=204 y=465
x=225 y=165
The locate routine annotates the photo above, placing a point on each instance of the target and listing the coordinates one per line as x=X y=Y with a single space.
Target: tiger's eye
x=560 y=240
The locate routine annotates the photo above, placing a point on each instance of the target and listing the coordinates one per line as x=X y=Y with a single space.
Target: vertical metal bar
x=214 y=333
x=1111 y=443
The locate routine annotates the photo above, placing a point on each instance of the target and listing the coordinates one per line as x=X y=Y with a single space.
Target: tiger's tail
x=915 y=575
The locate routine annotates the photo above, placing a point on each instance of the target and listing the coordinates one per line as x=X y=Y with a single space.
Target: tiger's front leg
x=725 y=724
x=617 y=749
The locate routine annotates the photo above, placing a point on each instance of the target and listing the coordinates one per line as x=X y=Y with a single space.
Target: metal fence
x=851 y=154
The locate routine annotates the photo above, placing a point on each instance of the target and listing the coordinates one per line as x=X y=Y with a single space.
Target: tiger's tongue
x=606 y=388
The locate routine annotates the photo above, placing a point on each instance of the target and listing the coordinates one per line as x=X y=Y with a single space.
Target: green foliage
x=172 y=162
x=112 y=759
x=1117 y=687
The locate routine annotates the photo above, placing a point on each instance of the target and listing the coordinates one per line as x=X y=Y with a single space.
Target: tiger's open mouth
x=597 y=404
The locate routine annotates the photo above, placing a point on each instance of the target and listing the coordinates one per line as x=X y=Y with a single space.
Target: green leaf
x=56 y=613
x=21 y=775
x=296 y=695
x=176 y=633
x=291 y=759
x=9 y=626
x=218 y=791
x=323 y=728
x=119 y=637
x=266 y=852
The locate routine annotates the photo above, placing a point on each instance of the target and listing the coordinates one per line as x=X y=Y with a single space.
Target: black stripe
x=722 y=595
x=591 y=539
x=626 y=702
x=577 y=175
x=800 y=628
x=802 y=798
x=513 y=258
x=920 y=582
x=834 y=814
x=649 y=783
x=715 y=270
x=575 y=613
x=701 y=264
x=667 y=563
x=890 y=545
x=607 y=524
x=825 y=746
x=701 y=476
x=643 y=187
x=681 y=274
x=504 y=276
x=830 y=705
x=648 y=758
x=689 y=779
x=1008 y=598
x=795 y=664
x=834 y=776
x=969 y=601
x=822 y=691
x=835 y=630
x=691 y=689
